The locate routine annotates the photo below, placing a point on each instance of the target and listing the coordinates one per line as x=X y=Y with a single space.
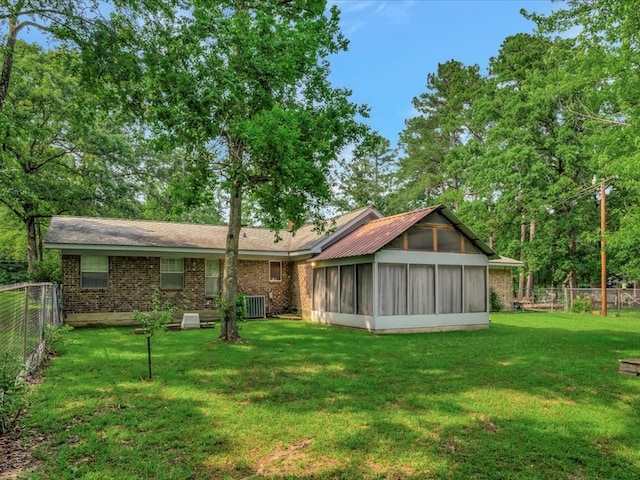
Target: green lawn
x=536 y=396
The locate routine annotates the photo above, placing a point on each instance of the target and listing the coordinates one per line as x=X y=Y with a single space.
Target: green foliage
x=161 y=313
x=582 y=304
x=13 y=272
x=496 y=303
x=48 y=270
x=241 y=307
x=13 y=393
x=57 y=338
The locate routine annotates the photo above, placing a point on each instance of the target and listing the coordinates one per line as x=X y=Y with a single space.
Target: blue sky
x=395 y=44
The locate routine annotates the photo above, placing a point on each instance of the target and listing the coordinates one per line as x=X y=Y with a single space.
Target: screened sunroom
x=419 y=271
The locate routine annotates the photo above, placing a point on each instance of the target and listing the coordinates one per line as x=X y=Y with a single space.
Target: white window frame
x=208 y=274
x=171 y=266
x=271 y=279
x=88 y=265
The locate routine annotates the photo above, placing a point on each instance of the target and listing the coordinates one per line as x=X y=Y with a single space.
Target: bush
x=49 y=270
x=496 y=304
x=57 y=338
x=582 y=304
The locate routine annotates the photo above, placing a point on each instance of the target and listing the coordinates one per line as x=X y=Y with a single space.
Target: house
x=417 y=271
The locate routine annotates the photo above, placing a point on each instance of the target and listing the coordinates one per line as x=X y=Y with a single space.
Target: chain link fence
x=25 y=312
x=618 y=299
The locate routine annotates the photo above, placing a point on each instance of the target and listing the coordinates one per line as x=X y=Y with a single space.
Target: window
x=450 y=289
x=422 y=290
x=449 y=240
x=94 y=271
x=392 y=289
x=364 y=289
x=475 y=291
x=275 y=271
x=347 y=290
x=211 y=277
x=171 y=273
x=332 y=289
x=420 y=238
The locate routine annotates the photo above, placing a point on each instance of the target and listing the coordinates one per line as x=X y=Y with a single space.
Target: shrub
x=582 y=304
x=496 y=303
x=57 y=338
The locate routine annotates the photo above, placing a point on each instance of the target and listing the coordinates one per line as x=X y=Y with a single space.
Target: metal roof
x=373 y=236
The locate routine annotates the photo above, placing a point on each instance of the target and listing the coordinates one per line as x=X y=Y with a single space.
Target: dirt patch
x=16 y=454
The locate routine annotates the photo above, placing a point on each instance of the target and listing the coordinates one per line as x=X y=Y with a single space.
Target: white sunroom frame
x=409 y=323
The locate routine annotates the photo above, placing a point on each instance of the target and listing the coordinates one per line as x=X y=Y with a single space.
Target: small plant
x=155 y=320
x=496 y=303
x=13 y=393
x=582 y=304
x=242 y=310
x=57 y=338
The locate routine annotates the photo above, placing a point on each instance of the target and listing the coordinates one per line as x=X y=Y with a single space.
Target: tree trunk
x=7 y=64
x=229 y=324
x=32 y=243
x=523 y=239
x=532 y=233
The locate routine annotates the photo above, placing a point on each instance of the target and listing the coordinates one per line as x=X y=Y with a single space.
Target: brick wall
x=302 y=288
x=131 y=279
x=253 y=279
x=130 y=286
x=500 y=280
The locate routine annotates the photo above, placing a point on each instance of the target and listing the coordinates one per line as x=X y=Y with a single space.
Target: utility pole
x=603 y=253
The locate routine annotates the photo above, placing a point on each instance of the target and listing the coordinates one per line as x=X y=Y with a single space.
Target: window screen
x=211 y=277
x=171 y=273
x=364 y=289
x=347 y=289
x=392 y=289
x=475 y=289
x=449 y=289
x=275 y=271
x=94 y=271
x=422 y=290
x=332 y=289
x=449 y=240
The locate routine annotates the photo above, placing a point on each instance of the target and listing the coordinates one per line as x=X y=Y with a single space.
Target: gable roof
x=85 y=233
x=373 y=236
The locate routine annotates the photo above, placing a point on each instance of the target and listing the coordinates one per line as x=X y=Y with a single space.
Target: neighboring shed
x=418 y=271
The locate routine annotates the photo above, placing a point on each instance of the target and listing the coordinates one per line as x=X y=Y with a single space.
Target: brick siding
x=131 y=279
x=302 y=288
x=500 y=280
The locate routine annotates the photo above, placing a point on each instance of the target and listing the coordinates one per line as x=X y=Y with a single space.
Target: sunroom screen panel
x=475 y=289
x=422 y=291
x=333 y=289
x=392 y=289
x=449 y=289
x=318 y=289
x=347 y=289
x=364 y=288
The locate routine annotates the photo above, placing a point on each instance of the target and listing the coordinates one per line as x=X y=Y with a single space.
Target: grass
x=536 y=396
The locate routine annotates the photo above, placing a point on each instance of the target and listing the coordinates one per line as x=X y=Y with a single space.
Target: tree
x=244 y=85
x=535 y=156
x=365 y=177
x=59 y=154
x=439 y=143
x=604 y=66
